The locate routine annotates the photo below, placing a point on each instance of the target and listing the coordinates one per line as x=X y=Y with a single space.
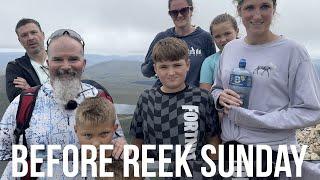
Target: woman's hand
x=229 y=98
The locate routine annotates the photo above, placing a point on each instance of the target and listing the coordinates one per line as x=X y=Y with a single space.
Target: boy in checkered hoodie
x=175 y=113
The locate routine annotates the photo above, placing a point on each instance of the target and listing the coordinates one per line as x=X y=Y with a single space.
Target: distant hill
x=3 y=96
x=316 y=62
x=92 y=59
x=123 y=79
x=5 y=57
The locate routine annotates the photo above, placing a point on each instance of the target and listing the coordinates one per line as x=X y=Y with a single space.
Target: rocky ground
x=310 y=136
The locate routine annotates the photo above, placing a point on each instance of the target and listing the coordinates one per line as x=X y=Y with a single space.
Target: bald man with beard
x=52 y=121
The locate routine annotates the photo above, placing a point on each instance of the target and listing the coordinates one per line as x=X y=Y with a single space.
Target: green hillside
x=120 y=78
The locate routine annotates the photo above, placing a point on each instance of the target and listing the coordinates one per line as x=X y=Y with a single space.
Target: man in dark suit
x=31 y=69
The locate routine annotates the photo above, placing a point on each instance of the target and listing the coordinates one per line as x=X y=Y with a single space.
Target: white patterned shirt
x=50 y=123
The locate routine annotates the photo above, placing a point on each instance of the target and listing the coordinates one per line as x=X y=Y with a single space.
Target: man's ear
x=84 y=64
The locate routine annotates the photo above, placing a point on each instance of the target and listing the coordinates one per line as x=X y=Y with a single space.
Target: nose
x=95 y=142
x=171 y=71
x=179 y=14
x=65 y=64
x=223 y=39
x=257 y=14
x=30 y=36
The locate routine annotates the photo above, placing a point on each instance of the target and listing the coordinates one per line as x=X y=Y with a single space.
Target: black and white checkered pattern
x=159 y=118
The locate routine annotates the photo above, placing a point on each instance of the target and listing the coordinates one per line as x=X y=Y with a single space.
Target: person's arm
x=147 y=66
x=213 y=129
x=137 y=142
x=215 y=141
x=206 y=75
x=7 y=126
x=217 y=87
x=303 y=108
x=12 y=72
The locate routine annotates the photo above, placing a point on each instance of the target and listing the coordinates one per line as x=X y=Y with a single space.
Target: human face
x=223 y=33
x=96 y=135
x=181 y=21
x=257 y=16
x=172 y=74
x=65 y=58
x=31 y=38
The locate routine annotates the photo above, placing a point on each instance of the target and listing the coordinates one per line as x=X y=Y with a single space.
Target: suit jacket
x=20 y=67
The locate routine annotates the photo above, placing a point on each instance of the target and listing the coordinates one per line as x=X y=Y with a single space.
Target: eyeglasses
x=183 y=11
x=69 y=32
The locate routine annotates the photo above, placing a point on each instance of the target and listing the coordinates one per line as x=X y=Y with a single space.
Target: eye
x=177 y=65
x=87 y=136
x=34 y=32
x=249 y=8
x=104 y=134
x=217 y=36
x=57 y=59
x=227 y=33
x=73 y=59
x=23 y=35
x=163 y=67
x=265 y=7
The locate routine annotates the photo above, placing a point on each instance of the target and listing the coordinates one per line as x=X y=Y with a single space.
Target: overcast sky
x=125 y=27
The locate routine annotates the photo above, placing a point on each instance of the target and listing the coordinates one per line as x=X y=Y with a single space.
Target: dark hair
x=25 y=21
x=239 y=2
x=171 y=49
x=224 y=18
x=188 y=1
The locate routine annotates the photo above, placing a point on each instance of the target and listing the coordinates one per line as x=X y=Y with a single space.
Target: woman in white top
x=285 y=93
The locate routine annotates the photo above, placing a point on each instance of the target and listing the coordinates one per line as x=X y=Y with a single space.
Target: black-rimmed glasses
x=183 y=11
x=68 y=32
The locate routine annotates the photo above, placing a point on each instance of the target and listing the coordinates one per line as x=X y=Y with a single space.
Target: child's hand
x=118 y=147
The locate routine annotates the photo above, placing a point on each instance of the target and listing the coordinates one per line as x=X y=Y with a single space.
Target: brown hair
x=25 y=21
x=170 y=49
x=95 y=110
x=188 y=1
x=224 y=18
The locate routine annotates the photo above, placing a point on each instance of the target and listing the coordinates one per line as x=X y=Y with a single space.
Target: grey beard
x=65 y=89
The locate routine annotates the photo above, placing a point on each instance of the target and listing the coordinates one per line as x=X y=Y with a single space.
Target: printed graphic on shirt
x=194 y=52
x=191 y=128
x=264 y=70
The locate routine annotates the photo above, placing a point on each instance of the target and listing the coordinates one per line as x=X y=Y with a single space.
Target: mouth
x=172 y=79
x=257 y=23
x=33 y=45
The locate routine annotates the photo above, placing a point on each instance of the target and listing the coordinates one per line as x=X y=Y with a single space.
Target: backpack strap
x=26 y=105
x=25 y=108
x=105 y=94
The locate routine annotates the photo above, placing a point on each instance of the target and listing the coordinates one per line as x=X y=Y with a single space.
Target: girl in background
x=223 y=28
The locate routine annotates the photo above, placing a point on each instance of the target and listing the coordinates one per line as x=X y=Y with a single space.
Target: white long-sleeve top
x=285 y=92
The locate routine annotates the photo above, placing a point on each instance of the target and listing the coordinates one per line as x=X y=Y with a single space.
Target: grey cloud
x=128 y=26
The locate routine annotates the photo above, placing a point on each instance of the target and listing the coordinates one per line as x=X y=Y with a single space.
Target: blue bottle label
x=240 y=80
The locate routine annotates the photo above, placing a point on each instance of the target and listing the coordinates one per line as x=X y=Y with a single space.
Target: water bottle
x=241 y=82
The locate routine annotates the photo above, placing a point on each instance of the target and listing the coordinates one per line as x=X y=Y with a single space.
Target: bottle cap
x=242 y=63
